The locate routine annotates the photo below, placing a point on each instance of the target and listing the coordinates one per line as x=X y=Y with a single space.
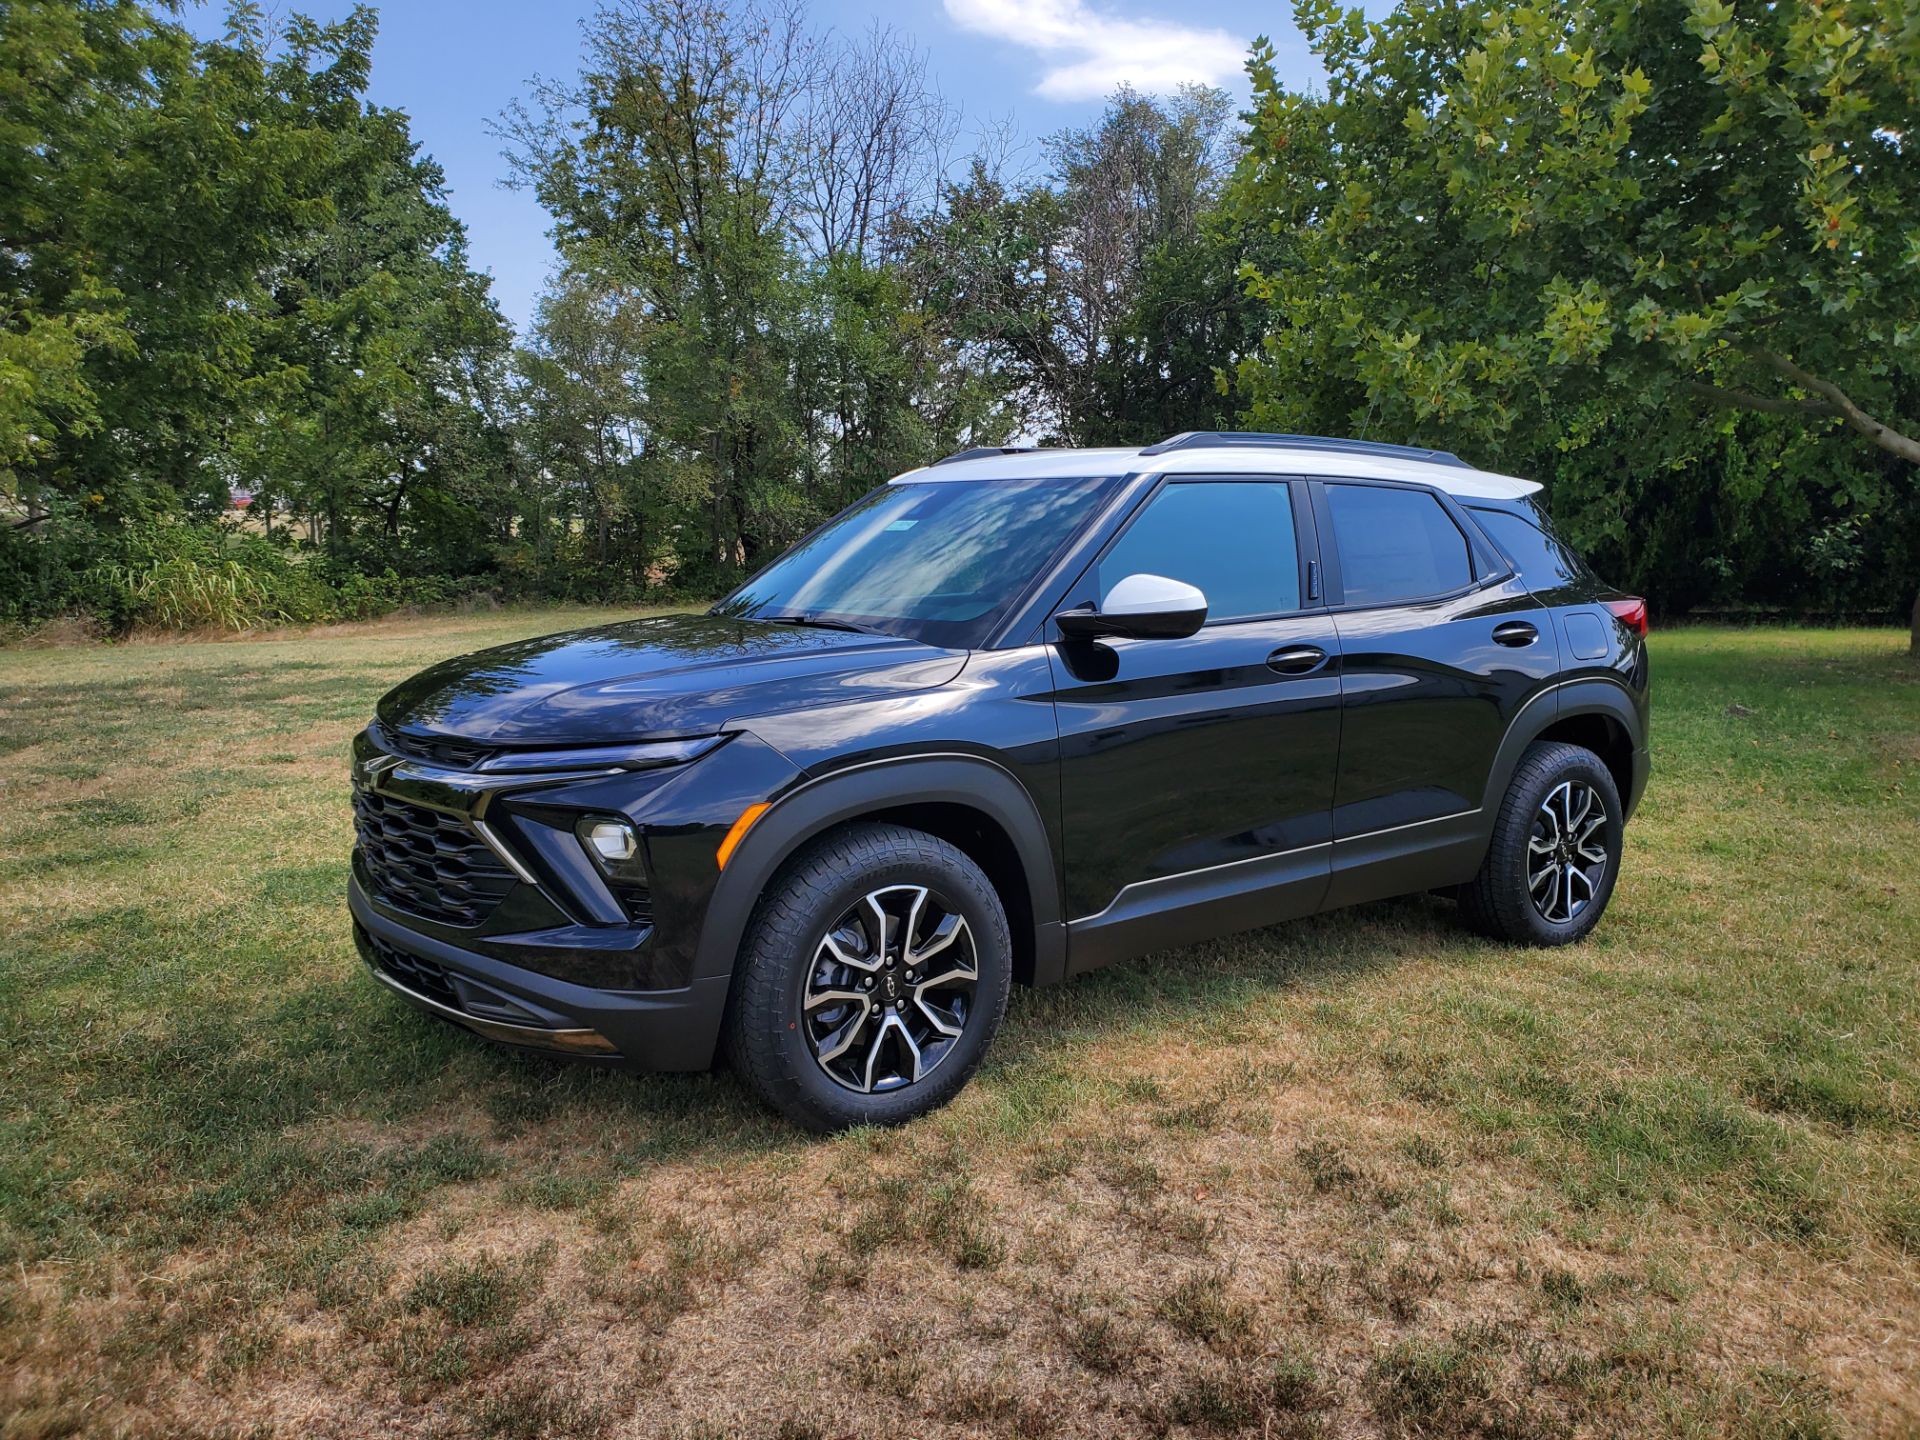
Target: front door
x=1196 y=775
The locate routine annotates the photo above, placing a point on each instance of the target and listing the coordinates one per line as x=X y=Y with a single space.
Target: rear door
x=1197 y=774
x=1441 y=645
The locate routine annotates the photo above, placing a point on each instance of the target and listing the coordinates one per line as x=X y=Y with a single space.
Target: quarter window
x=1395 y=545
x=1232 y=540
x=1543 y=557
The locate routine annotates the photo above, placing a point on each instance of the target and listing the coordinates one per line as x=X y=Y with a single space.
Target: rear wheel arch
x=1602 y=732
x=971 y=802
x=1558 y=827
x=1594 y=713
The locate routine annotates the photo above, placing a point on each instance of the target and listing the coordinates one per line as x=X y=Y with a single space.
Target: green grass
x=1362 y=1174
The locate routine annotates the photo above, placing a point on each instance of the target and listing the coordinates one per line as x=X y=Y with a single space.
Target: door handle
x=1297 y=660
x=1515 y=633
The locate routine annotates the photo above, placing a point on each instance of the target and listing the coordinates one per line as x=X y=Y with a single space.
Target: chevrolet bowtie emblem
x=366 y=772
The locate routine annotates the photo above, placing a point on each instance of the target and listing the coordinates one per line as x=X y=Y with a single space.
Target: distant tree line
x=1664 y=257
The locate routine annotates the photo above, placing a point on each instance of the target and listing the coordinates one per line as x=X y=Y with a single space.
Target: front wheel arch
x=933 y=793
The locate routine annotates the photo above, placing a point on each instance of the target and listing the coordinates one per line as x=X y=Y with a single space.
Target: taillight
x=1630 y=612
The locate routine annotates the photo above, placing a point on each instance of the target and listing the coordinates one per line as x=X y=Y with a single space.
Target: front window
x=1232 y=540
x=940 y=560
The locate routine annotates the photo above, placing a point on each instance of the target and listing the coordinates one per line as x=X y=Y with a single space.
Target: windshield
x=939 y=561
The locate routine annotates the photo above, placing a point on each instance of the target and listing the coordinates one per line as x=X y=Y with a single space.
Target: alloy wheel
x=1566 y=851
x=889 y=989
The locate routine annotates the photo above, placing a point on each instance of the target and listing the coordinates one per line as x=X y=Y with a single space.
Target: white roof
x=1231 y=459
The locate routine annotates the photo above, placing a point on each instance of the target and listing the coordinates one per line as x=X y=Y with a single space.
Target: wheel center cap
x=890 y=986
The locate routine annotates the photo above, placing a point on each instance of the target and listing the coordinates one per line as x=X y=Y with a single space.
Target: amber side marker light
x=739 y=832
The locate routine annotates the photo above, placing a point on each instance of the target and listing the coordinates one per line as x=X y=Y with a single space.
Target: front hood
x=653 y=679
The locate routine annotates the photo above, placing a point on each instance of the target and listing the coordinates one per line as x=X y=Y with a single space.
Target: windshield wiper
x=821 y=622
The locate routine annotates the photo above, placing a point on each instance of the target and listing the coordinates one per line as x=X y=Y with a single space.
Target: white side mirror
x=1141 y=606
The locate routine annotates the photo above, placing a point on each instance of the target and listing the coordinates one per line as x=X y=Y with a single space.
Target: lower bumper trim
x=572 y=1042
x=646 y=1030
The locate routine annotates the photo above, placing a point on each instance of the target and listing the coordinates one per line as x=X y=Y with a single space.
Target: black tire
x=770 y=1036
x=1502 y=901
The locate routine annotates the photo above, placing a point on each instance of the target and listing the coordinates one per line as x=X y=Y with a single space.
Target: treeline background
x=788 y=272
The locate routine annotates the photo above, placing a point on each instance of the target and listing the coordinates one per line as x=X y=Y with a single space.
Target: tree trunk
x=393 y=507
x=1913 y=637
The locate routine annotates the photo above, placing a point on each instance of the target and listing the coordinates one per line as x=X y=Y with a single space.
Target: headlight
x=645 y=755
x=612 y=840
x=613 y=845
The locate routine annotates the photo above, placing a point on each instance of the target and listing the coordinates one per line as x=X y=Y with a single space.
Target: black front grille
x=416 y=972
x=425 y=862
x=438 y=750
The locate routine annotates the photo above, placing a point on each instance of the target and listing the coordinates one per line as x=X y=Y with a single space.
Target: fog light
x=612 y=840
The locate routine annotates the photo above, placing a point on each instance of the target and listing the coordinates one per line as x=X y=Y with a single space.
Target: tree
x=581 y=372
x=374 y=335
x=1099 y=287
x=757 y=197
x=1512 y=225
x=673 y=159
x=872 y=148
x=75 y=83
x=220 y=266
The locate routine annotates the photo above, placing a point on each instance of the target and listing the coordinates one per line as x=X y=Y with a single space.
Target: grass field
x=1360 y=1175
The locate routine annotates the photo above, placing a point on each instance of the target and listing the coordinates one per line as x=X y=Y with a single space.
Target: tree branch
x=1883 y=435
x=1747 y=400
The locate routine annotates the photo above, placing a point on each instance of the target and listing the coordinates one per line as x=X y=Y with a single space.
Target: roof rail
x=981 y=452
x=1200 y=439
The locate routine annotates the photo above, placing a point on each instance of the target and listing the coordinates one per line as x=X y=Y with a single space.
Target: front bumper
x=677 y=1029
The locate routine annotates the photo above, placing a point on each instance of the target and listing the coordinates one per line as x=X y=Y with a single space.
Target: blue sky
x=454 y=64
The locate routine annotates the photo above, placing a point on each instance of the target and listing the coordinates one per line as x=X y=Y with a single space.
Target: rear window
x=1396 y=545
x=1541 y=557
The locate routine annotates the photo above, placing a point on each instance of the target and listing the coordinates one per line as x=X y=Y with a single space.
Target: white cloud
x=1090 y=52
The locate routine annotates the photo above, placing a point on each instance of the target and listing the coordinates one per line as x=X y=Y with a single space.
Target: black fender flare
x=819 y=804
x=1590 y=695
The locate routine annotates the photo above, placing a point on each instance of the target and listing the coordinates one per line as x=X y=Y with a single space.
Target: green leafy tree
x=1535 y=228
x=375 y=337
x=69 y=75
x=219 y=265
x=673 y=159
x=1101 y=287
x=580 y=373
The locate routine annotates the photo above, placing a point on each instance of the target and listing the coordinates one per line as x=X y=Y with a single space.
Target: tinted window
x=1541 y=557
x=938 y=561
x=1231 y=539
x=1395 y=544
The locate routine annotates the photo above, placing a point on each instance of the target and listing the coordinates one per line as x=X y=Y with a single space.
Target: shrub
x=181 y=576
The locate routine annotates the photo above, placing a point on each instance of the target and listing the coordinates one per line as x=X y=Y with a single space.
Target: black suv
x=1010 y=717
